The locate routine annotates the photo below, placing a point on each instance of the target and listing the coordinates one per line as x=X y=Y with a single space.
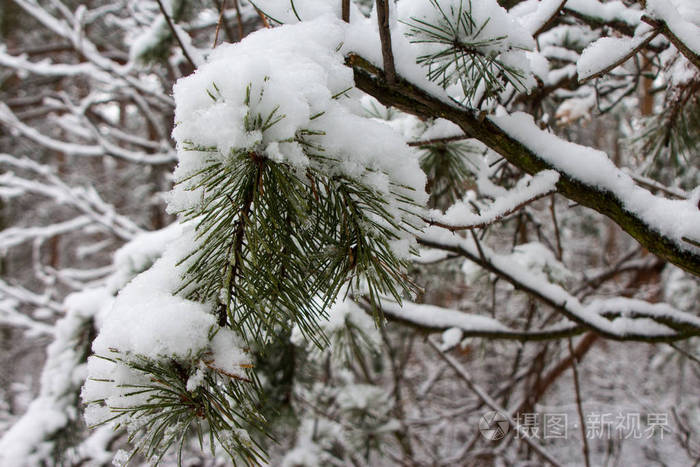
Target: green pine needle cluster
x=669 y=138
x=167 y=414
x=276 y=243
x=464 y=57
x=446 y=166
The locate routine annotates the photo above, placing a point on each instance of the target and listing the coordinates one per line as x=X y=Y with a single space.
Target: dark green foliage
x=220 y=408
x=276 y=371
x=464 y=56
x=445 y=165
x=671 y=139
x=277 y=243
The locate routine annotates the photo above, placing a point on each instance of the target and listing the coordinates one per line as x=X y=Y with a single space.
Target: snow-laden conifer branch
x=177 y=344
x=599 y=185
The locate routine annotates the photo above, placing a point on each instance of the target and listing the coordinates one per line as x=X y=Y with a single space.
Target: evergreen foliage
x=276 y=243
x=463 y=53
x=671 y=139
x=446 y=165
x=165 y=409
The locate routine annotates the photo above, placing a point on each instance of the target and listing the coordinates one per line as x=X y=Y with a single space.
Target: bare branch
x=486 y=399
x=385 y=38
x=175 y=34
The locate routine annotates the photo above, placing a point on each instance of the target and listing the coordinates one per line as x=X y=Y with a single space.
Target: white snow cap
x=296 y=73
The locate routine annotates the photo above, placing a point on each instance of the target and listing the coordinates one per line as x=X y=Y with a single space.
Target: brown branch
x=447 y=139
x=239 y=18
x=222 y=8
x=177 y=36
x=662 y=27
x=557 y=233
x=411 y=99
x=262 y=16
x=346 y=10
x=583 y=346
x=385 y=38
x=622 y=60
x=579 y=406
x=650 y=184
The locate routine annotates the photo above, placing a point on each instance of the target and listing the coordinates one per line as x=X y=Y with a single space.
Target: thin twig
x=447 y=139
x=478 y=247
x=486 y=399
x=239 y=18
x=346 y=10
x=265 y=22
x=579 y=407
x=177 y=37
x=385 y=38
x=691 y=241
x=685 y=352
x=487 y=222
x=557 y=234
x=654 y=185
x=222 y=8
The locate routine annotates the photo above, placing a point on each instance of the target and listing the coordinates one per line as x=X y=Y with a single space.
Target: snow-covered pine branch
x=279 y=318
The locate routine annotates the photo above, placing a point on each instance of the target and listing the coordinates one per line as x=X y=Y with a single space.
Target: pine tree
x=351 y=179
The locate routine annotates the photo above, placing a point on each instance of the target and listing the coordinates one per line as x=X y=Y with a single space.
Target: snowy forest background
x=551 y=283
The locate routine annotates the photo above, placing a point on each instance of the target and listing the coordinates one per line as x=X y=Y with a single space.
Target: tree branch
x=596 y=317
x=679 y=44
x=650 y=36
x=177 y=36
x=431 y=318
x=409 y=98
x=345 y=6
x=492 y=404
x=385 y=38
